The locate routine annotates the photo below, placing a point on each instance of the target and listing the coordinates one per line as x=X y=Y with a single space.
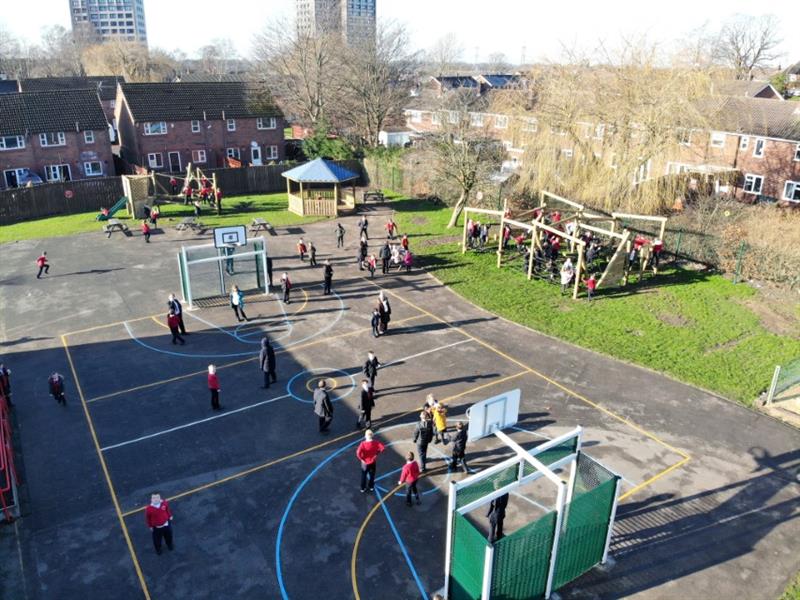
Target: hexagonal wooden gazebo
x=322 y=188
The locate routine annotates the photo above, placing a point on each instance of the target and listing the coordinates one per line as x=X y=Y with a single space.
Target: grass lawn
x=793 y=591
x=236 y=210
x=689 y=324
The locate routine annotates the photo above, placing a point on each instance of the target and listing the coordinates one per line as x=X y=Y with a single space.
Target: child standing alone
x=409 y=475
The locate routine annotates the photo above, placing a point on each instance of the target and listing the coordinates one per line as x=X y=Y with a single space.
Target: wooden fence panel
x=52 y=199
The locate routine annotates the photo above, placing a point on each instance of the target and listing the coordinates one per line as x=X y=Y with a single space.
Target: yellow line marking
x=686 y=457
x=644 y=484
x=360 y=534
x=159 y=323
x=107 y=325
x=276 y=461
x=124 y=527
x=239 y=362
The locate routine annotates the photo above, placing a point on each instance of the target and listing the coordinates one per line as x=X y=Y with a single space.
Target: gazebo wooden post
x=578 y=270
x=288 y=188
x=302 y=200
x=335 y=199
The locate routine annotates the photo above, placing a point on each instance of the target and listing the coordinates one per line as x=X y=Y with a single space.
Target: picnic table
x=375 y=195
x=113 y=225
x=190 y=223
x=260 y=224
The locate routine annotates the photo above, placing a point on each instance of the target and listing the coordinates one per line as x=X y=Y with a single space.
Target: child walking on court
x=410 y=475
x=146 y=231
x=213 y=386
x=43 y=265
x=174 y=324
x=301 y=249
x=158 y=517
x=286 y=286
x=339 y=236
x=367 y=452
x=312 y=254
x=56 y=383
x=237 y=303
x=440 y=422
x=376 y=323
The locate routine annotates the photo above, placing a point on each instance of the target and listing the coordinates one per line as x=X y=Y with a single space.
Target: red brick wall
x=213 y=137
x=74 y=153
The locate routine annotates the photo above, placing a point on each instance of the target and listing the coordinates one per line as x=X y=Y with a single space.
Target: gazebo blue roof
x=319 y=170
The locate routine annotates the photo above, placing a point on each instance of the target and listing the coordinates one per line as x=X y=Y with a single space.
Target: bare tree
x=129 y=59
x=216 y=57
x=498 y=63
x=302 y=69
x=62 y=52
x=747 y=43
x=377 y=76
x=461 y=155
x=445 y=54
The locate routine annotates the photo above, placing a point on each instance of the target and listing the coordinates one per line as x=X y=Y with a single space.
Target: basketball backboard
x=497 y=412
x=235 y=235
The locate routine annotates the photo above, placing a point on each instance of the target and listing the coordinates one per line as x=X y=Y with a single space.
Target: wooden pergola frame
x=479 y=211
x=663 y=220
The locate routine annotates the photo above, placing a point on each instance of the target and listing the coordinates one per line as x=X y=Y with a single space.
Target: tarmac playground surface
x=267 y=507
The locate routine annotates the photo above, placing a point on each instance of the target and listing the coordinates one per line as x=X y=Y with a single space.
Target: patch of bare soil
x=675 y=320
x=419 y=220
x=775 y=315
x=438 y=241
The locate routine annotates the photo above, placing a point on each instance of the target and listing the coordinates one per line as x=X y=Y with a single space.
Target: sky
x=540 y=30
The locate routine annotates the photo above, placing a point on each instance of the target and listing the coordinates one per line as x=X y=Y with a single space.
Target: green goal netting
x=785 y=382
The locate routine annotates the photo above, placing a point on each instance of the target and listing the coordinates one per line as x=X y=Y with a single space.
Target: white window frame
x=567 y=153
x=797 y=153
x=599 y=131
x=676 y=168
x=530 y=125
x=233 y=153
x=685 y=137
x=49 y=140
x=155 y=128
x=744 y=141
x=436 y=118
x=642 y=172
x=155 y=160
x=717 y=139
x=88 y=136
x=761 y=143
x=752 y=178
x=195 y=126
x=271 y=152
x=415 y=116
x=500 y=122
x=18 y=138
x=231 y=124
x=272 y=123
x=789 y=189
x=476 y=119
x=196 y=156
x=452 y=116
x=49 y=170
x=89 y=171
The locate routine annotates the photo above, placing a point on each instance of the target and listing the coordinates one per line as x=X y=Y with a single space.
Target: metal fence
x=52 y=199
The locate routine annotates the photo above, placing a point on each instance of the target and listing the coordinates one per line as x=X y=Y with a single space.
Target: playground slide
x=113 y=210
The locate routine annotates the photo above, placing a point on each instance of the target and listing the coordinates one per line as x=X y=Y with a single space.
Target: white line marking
x=193 y=423
x=400 y=360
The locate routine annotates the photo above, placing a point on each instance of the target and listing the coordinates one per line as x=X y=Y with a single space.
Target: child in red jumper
x=146 y=231
x=158 y=516
x=409 y=475
x=213 y=386
x=367 y=453
x=43 y=265
x=174 y=323
x=591 y=285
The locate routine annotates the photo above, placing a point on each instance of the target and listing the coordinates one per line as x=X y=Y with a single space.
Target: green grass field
x=236 y=210
x=792 y=592
x=691 y=325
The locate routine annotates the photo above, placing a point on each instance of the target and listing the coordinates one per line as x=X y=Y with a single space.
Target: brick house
x=57 y=135
x=748 y=89
x=165 y=126
x=104 y=85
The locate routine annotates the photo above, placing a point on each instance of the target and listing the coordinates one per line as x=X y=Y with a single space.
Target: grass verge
x=236 y=210
x=691 y=325
x=792 y=592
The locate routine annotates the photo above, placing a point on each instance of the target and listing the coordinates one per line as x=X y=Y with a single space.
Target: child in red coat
x=158 y=517
x=213 y=386
x=409 y=475
x=174 y=323
x=146 y=231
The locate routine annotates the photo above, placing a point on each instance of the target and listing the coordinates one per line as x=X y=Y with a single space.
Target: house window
x=12 y=142
x=642 y=173
x=452 y=116
x=416 y=116
x=530 y=125
x=231 y=124
x=272 y=152
x=717 y=139
x=57 y=173
x=677 y=168
x=157 y=128
x=155 y=160
x=567 y=153
x=758 y=148
x=753 y=184
x=266 y=123
x=232 y=152
x=743 y=141
x=500 y=122
x=52 y=139
x=198 y=156
x=599 y=131
x=791 y=191
x=797 y=152
x=195 y=126
x=476 y=119
x=436 y=118
x=88 y=137
x=92 y=169
x=685 y=137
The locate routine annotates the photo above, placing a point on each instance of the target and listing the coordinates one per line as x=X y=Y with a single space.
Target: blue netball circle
x=305 y=393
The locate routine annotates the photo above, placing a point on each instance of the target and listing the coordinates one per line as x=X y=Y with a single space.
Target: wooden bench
x=375 y=195
x=190 y=223
x=260 y=224
x=113 y=225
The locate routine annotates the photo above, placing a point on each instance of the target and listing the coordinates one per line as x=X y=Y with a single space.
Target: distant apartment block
x=353 y=19
x=110 y=19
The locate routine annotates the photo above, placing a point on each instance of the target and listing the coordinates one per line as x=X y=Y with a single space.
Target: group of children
x=477 y=234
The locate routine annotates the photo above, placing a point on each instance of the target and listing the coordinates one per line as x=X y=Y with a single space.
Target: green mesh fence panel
x=184 y=276
x=487 y=486
x=553 y=454
x=522 y=560
x=788 y=377
x=583 y=532
x=591 y=474
x=466 y=562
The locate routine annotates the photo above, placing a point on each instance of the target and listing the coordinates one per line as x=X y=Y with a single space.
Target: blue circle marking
x=352 y=385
